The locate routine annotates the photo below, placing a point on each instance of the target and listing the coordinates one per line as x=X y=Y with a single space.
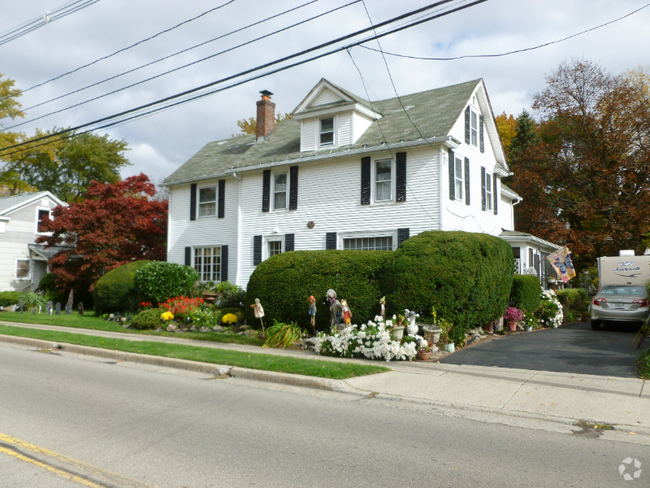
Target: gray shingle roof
x=433 y=112
x=7 y=203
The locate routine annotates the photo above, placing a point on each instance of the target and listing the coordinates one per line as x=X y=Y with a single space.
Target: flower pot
x=397 y=333
x=450 y=347
x=424 y=355
x=489 y=329
x=512 y=325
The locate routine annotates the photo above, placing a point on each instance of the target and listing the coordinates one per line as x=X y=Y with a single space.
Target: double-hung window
x=280 y=191
x=326 y=131
x=473 y=128
x=274 y=247
x=489 y=194
x=207 y=261
x=383 y=180
x=22 y=269
x=459 y=181
x=208 y=201
x=41 y=215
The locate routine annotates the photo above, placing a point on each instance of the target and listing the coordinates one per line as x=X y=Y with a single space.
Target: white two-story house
x=344 y=173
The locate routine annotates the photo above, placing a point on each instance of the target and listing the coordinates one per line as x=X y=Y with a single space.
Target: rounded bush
x=284 y=283
x=160 y=280
x=8 y=298
x=115 y=291
x=466 y=276
x=525 y=293
x=148 y=319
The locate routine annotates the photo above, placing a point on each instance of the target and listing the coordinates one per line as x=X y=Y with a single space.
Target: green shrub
x=230 y=295
x=524 y=293
x=115 y=291
x=48 y=285
x=148 y=319
x=467 y=278
x=284 y=282
x=8 y=298
x=160 y=280
x=33 y=301
x=282 y=335
x=574 y=300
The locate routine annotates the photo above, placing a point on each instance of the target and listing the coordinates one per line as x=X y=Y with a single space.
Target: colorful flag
x=561 y=262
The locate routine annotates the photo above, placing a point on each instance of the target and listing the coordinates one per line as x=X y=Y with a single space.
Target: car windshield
x=623 y=290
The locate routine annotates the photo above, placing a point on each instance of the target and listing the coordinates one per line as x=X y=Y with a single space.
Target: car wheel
x=595 y=324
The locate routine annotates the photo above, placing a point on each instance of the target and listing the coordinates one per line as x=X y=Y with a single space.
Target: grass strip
x=643 y=364
x=265 y=362
x=96 y=323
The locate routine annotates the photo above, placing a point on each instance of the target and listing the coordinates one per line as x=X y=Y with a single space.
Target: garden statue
x=335 y=308
x=50 y=308
x=258 y=310
x=382 y=304
x=58 y=308
x=347 y=314
x=412 y=327
x=312 y=313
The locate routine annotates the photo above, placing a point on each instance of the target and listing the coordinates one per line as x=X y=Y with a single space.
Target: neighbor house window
x=327 y=131
x=369 y=244
x=208 y=201
x=207 y=262
x=458 y=178
x=488 y=191
x=22 y=269
x=383 y=180
x=280 y=191
x=41 y=215
x=275 y=247
x=473 y=128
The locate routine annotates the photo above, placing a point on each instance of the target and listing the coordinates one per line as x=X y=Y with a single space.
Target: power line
x=180 y=67
x=258 y=68
x=453 y=58
x=56 y=14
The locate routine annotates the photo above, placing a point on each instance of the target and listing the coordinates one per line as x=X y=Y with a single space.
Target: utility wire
x=258 y=68
x=56 y=14
x=509 y=52
x=179 y=68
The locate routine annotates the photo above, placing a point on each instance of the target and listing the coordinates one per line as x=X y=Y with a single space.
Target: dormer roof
x=326 y=97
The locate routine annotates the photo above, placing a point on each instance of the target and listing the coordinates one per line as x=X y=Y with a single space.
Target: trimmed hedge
x=574 y=299
x=284 y=282
x=160 y=280
x=525 y=293
x=8 y=298
x=466 y=276
x=115 y=291
x=148 y=319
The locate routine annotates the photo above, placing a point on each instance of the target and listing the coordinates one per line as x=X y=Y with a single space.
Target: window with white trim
x=207 y=262
x=368 y=243
x=274 y=247
x=22 y=269
x=489 y=194
x=280 y=187
x=42 y=213
x=208 y=201
x=473 y=128
x=383 y=180
x=459 y=180
x=326 y=132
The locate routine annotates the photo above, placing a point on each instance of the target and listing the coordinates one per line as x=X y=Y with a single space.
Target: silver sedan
x=619 y=303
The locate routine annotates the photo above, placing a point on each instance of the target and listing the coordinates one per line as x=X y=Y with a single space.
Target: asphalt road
x=572 y=348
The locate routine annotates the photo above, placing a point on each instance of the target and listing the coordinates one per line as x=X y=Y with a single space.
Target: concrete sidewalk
x=558 y=397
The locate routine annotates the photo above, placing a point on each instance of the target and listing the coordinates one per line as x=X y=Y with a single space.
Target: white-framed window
x=459 y=179
x=473 y=128
x=383 y=180
x=384 y=243
x=208 y=201
x=489 y=193
x=40 y=215
x=22 y=269
x=326 y=132
x=280 y=191
x=274 y=247
x=207 y=262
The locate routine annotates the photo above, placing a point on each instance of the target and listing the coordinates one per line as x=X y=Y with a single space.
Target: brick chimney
x=265 y=116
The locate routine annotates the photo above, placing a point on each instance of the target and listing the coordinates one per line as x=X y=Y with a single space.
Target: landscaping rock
x=172 y=328
x=218 y=328
x=193 y=328
x=244 y=327
x=126 y=326
x=205 y=329
x=473 y=340
x=309 y=343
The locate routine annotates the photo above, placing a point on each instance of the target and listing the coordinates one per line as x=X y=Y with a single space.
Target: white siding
x=359 y=125
x=344 y=129
x=308 y=135
x=325 y=97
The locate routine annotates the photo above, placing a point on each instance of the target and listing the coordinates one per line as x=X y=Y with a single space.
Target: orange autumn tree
x=115 y=224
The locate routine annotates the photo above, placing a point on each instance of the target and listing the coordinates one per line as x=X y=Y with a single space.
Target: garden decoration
x=312 y=313
x=432 y=336
x=382 y=305
x=21 y=305
x=513 y=316
x=347 y=314
x=335 y=309
x=424 y=351
x=68 y=306
x=258 y=310
x=58 y=308
x=80 y=308
x=412 y=328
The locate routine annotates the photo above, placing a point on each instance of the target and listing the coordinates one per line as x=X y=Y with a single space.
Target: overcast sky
x=161 y=142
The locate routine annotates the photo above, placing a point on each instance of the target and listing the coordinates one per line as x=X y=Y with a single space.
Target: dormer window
x=474 y=128
x=327 y=131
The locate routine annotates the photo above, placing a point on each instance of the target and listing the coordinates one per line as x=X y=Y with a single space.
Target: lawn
x=266 y=362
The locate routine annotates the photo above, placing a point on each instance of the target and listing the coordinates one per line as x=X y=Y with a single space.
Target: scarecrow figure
x=312 y=313
x=347 y=314
x=335 y=308
x=382 y=305
x=258 y=310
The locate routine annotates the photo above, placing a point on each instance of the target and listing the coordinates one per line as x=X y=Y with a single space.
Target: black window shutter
x=402 y=235
x=193 y=201
x=188 y=256
x=496 y=195
x=481 y=137
x=466 y=181
x=222 y=198
x=365 y=181
x=293 y=188
x=266 y=191
x=224 y=263
x=257 y=250
x=400 y=163
x=452 y=185
x=483 y=202
x=467 y=124
x=330 y=240
x=289 y=240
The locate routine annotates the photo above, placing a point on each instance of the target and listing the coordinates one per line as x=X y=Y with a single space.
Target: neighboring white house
x=23 y=262
x=344 y=173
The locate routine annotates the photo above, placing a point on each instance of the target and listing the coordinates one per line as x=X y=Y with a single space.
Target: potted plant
x=424 y=351
x=513 y=316
x=397 y=331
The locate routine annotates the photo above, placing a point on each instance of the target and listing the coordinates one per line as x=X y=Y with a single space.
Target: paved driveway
x=574 y=348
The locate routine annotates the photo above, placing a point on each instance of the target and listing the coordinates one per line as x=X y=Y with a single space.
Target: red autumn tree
x=115 y=224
